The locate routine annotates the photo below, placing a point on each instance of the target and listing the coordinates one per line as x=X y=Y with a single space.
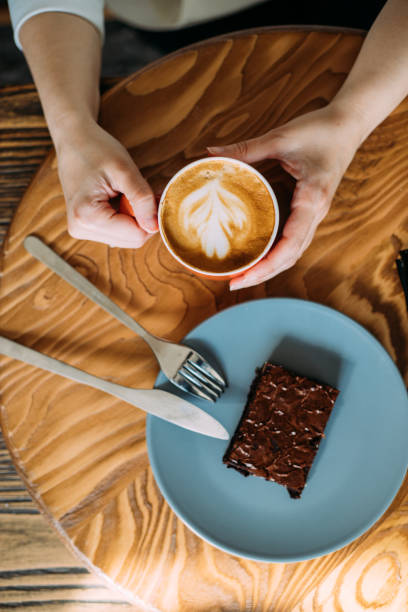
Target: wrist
x=351 y=119
x=70 y=128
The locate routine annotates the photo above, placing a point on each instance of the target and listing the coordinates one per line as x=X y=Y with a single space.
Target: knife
x=154 y=401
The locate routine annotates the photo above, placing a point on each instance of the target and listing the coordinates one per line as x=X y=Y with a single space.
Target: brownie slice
x=281 y=427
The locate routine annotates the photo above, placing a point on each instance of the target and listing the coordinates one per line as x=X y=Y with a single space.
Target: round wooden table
x=82 y=454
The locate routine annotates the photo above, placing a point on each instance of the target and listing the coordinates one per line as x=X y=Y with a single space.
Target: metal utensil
x=154 y=401
x=182 y=365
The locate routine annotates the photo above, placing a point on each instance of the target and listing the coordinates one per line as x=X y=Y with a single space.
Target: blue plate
x=360 y=464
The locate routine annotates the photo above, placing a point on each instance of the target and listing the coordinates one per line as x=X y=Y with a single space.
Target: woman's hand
x=64 y=54
x=93 y=168
x=315 y=149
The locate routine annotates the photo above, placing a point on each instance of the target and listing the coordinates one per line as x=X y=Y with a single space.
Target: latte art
x=217 y=215
x=214 y=215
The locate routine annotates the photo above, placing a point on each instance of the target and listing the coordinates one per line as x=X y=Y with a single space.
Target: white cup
x=237 y=271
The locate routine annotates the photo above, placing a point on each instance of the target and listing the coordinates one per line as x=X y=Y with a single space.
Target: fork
x=182 y=365
x=160 y=403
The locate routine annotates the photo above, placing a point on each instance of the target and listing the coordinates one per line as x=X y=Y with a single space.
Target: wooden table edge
x=240 y=33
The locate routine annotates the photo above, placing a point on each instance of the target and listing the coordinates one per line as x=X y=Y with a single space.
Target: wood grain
x=82 y=454
x=36 y=569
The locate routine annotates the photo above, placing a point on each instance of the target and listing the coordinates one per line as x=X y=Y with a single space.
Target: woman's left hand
x=315 y=149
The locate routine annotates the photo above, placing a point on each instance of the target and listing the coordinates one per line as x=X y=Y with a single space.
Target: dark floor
x=127 y=49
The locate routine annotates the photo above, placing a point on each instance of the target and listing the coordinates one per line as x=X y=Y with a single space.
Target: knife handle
x=27 y=355
x=142 y=398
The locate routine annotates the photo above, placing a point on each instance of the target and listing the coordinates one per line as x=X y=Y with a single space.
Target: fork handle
x=47 y=256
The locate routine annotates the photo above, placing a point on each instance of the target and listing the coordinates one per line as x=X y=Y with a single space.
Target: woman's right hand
x=93 y=168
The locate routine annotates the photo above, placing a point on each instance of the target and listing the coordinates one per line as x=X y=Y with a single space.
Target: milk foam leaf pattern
x=213 y=214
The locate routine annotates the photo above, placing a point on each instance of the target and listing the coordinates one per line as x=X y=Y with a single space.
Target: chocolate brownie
x=281 y=427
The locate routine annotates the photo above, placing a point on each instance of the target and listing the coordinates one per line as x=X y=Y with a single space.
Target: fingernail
x=215 y=150
x=151 y=225
x=248 y=282
x=235 y=286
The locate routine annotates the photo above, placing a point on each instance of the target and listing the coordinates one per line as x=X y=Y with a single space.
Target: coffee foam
x=213 y=214
x=217 y=216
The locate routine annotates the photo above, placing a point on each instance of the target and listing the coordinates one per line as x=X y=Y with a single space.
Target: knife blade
x=160 y=403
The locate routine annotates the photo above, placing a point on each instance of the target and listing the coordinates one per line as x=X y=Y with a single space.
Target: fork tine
x=203 y=365
x=187 y=384
x=194 y=380
x=206 y=380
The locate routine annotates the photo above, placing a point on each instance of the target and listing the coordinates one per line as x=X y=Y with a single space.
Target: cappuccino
x=218 y=215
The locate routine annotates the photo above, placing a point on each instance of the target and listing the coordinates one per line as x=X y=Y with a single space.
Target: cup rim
x=234 y=271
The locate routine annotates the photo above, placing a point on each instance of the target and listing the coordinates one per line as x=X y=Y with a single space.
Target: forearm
x=64 y=55
x=378 y=81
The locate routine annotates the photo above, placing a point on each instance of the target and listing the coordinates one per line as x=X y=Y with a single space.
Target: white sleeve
x=22 y=10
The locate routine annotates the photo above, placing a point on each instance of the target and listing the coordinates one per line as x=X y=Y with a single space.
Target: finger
x=274 y=263
x=282 y=257
x=140 y=196
x=98 y=221
x=126 y=208
x=253 y=150
x=308 y=209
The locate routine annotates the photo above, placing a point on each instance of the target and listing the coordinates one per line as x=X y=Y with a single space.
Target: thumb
x=140 y=199
x=249 y=151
